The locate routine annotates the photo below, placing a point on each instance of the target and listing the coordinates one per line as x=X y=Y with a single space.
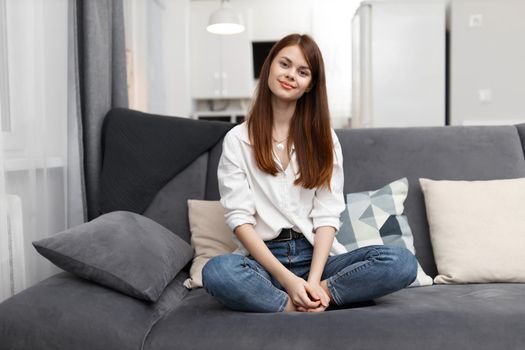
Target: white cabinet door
x=205 y=51
x=399 y=73
x=237 y=66
x=221 y=65
x=408 y=64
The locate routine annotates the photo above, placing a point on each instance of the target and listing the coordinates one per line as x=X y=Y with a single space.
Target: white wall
x=487 y=55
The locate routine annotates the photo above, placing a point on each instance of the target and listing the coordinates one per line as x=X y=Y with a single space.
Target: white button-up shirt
x=272 y=203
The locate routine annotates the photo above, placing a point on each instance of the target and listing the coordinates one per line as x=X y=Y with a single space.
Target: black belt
x=287 y=234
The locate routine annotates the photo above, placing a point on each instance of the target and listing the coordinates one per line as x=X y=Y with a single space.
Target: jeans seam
x=289 y=254
x=283 y=305
x=257 y=273
x=359 y=268
x=337 y=276
x=335 y=296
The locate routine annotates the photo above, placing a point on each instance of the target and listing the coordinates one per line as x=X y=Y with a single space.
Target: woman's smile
x=285 y=85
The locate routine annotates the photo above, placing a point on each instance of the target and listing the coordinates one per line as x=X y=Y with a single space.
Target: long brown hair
x=310 y=129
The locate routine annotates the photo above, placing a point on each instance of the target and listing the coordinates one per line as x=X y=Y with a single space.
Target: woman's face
x=290 y=75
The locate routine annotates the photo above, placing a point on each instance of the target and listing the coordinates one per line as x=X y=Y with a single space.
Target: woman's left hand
x=325 y=299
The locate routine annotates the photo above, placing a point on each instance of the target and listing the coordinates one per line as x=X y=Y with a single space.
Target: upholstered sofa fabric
x=376 y=217
x=477 y=316
x=121 y=250
x=374 y=157
x=66 y=312
x=477 y=229
x=210 y=236
x=139 y=155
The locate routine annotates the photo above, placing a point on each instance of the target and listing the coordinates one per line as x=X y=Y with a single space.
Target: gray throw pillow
x=120 y=250
x=376 y=217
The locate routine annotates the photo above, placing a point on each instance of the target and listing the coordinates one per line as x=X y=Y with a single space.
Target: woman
x=281 y=184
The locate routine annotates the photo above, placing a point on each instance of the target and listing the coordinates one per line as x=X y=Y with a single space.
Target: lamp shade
x=225 y=21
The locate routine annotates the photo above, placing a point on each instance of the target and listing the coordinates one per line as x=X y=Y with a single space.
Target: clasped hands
x=307 y=296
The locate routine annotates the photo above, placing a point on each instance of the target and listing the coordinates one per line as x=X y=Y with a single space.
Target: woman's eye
x=303 y=73
x=284 y=64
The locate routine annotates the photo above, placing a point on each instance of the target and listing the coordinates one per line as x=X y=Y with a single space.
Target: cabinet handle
x=217 y=83
x=224 y=83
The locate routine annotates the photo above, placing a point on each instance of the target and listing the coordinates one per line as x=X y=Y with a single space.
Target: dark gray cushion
x=120 y=250
x=143 y=151
x=170 y=205
x=521 y=132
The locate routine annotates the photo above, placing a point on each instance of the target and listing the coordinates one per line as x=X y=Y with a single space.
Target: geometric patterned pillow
x=376 y=217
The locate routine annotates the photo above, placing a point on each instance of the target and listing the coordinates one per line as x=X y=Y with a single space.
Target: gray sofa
x=174 y=159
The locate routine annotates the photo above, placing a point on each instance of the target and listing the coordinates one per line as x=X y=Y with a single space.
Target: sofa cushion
x=521 y=132
x=481 y=316
x=210 y=236
x=143 y=151
x=374 y=157
x=477 y=229
x=375 y=217
x=170 y=208
x=120 y=250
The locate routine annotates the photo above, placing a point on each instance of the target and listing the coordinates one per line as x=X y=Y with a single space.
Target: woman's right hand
x=301 y=292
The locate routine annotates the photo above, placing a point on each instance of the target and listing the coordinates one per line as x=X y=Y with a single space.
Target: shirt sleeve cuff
x=334 y=222
x=237 y=220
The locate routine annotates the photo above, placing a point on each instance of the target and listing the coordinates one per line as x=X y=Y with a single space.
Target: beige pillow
x=210 y=236
x=477 y=229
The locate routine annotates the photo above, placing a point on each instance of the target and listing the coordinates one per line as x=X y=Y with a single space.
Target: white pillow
x=210 y=236
x=477 y=229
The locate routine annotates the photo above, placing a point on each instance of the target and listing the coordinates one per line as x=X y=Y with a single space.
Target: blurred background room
x=65 y=63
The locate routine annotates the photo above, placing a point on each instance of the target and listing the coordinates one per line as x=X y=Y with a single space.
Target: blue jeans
x=241 y=283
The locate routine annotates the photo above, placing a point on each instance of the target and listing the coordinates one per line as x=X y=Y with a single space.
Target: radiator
x=12 y=256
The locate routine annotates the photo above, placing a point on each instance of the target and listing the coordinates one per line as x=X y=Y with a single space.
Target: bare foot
x=324 y=285
x=290 y=306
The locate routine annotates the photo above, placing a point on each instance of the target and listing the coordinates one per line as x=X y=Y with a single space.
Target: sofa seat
x=178 y=161
x=70 y=313
x=474 y=316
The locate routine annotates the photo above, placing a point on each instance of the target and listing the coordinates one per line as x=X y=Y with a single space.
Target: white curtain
x=41 y=190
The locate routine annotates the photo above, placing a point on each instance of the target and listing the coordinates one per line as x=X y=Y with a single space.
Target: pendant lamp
x=225 y=21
